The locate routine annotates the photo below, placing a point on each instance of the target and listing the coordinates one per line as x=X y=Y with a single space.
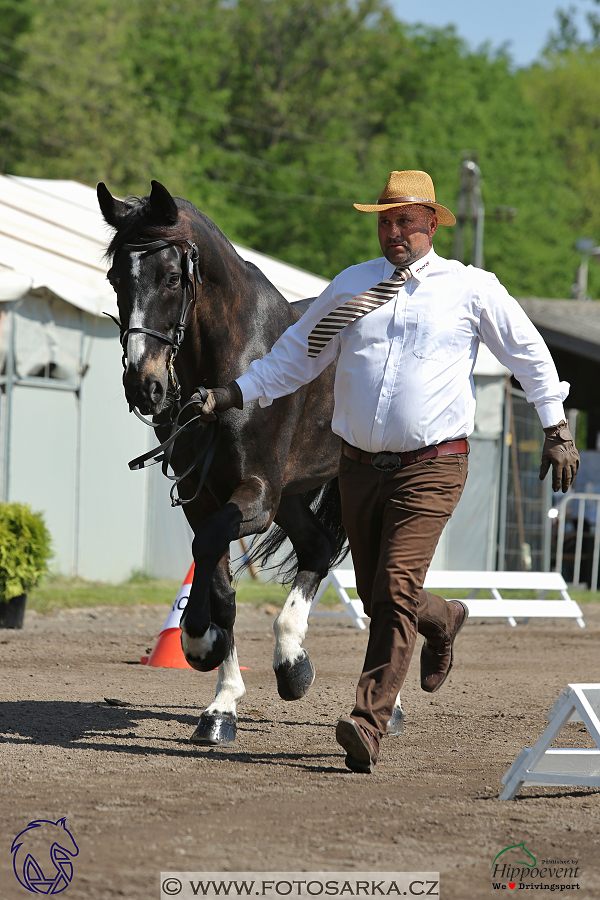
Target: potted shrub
x=25 y=549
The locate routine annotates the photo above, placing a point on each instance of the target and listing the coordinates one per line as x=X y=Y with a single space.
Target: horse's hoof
x=202 y=658
x=395 y=723
x=214 y=729
x=294 y=680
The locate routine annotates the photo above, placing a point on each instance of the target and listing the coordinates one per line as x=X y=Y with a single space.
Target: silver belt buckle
x=385 y=461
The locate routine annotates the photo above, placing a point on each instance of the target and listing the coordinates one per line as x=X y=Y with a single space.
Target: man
x=408 y=331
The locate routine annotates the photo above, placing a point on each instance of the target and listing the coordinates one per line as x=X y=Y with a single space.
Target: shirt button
x=379 y=421
x=383 y=394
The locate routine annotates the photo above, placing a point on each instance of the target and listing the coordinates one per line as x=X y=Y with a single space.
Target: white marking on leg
x=198 y=647
x=398 y=703
x=290 y=627
x=230 y=687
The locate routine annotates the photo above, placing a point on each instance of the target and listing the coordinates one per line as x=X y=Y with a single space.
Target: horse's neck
x=238 y=315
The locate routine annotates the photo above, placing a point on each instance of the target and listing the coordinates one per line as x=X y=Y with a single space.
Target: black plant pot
x=12 y=612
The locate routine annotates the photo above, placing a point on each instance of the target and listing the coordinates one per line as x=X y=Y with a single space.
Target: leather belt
x=384 y=461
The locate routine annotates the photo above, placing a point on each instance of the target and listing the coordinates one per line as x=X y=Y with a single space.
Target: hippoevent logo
x=516 y=868
x=50 y=871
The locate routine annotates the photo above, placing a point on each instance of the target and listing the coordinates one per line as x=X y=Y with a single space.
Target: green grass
x=60 y=592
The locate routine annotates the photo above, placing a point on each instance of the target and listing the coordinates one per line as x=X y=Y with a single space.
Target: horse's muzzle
x=148 y=394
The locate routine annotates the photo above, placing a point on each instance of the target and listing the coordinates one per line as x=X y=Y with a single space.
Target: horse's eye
x=173 y=280
x=112 y=279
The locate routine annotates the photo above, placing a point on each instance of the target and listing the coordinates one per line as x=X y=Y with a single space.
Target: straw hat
x=409 y=187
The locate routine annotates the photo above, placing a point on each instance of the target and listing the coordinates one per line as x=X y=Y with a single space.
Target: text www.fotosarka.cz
x=274 y=885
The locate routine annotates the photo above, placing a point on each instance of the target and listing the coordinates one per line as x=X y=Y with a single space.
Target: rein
x=210 y=430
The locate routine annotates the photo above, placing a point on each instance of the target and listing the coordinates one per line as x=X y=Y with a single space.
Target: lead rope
x=211 y=429
x=166 y=451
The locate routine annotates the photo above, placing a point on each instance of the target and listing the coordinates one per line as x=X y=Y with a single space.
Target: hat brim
x=445 y=217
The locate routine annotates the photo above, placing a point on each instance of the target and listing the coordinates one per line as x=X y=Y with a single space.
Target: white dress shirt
x=405 y=373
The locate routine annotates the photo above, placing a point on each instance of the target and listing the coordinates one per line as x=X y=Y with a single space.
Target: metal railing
x=582 y=499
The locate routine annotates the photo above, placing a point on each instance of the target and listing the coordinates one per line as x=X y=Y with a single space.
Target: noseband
x=190 y=277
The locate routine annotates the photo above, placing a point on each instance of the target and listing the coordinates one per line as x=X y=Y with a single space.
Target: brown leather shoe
x=360 y=744
x=436 y=658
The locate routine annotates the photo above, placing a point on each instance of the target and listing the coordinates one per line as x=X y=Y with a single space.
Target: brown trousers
x=394 y=521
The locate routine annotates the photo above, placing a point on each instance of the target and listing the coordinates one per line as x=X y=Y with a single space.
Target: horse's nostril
x=155 y=392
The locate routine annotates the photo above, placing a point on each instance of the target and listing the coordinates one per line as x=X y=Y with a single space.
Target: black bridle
x=190 y=278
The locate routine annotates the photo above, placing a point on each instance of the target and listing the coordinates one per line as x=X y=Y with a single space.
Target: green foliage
x=273 y=116
x=59 y=592
x=25 y=548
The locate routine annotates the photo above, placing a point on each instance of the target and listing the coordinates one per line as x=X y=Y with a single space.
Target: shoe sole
x=358 y=755
x=466 y=616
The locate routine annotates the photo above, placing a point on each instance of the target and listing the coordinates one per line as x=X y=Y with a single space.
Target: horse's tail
x=325 y=502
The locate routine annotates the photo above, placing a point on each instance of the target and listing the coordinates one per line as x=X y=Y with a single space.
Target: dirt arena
x=138 y=798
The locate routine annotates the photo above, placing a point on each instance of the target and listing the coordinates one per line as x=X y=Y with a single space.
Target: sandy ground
x=139 y=798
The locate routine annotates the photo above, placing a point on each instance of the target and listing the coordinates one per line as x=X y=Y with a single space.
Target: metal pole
x=596 y=553
x=579 y=541
x=479 y=222
x=547 y=488
x=10 y=383
x=506 y=437
x=560 y=537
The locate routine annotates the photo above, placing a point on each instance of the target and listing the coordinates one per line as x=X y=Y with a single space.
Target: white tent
x=65 y=432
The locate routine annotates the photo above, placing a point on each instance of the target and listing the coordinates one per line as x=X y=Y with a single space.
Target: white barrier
x=542 y=764
x=343 y=580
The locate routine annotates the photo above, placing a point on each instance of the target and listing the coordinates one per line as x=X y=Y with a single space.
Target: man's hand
x=561 y=453
x=221 y=398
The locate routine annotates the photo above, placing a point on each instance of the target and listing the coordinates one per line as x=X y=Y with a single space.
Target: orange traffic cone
x=167 y=651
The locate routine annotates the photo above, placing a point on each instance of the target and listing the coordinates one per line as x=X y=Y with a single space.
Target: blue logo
x=52 y=872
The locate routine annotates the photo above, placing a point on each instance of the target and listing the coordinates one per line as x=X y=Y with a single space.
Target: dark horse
x=277 y=464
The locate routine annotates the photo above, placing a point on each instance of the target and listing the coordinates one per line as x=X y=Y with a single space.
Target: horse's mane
x=142 y=224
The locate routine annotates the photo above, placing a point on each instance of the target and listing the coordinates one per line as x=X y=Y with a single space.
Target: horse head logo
x=52 y=871
x=519 y=850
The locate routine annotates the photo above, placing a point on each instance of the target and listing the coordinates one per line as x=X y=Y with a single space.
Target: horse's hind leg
x=314 y=546
x=218 y=722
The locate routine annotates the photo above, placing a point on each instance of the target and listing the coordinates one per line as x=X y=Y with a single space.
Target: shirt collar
x=422 y=267
x=419 y=269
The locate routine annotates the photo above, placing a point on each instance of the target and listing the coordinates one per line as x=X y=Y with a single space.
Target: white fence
x=582 y=500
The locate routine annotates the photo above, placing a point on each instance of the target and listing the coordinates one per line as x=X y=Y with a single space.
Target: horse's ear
x=163 y=204
x=113 y=210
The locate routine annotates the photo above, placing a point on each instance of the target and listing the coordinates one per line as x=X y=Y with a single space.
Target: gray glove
x=222 y=398
x=561 y=453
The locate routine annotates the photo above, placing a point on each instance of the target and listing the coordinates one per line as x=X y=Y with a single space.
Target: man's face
x=406 y=233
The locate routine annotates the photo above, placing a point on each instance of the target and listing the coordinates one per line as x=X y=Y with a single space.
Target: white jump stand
x=343 y=580
x=542 y=764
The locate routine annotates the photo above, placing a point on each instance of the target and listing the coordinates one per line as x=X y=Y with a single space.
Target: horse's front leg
x=207 y=627
x=314 y=545
x=218 y=723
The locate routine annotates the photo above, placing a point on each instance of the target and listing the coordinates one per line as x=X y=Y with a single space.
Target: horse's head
x=152 y=273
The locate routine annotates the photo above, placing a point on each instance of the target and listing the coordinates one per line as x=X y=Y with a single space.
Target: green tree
x=15 y=18
x=75 y=105
x=565 y=87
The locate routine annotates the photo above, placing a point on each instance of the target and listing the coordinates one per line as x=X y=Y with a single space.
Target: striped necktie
x=354 y=309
